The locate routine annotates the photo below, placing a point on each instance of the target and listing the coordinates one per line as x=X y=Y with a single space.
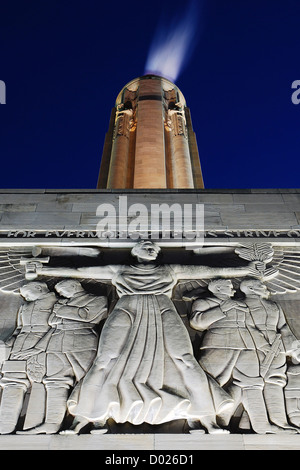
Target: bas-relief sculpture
x=32 y=324
x=141 y=368
x=70 y=346
x=245 y=348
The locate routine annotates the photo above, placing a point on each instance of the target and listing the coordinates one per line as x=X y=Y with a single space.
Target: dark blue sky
x=64 y=62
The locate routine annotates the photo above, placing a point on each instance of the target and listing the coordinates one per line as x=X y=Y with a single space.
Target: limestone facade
x=49 y=236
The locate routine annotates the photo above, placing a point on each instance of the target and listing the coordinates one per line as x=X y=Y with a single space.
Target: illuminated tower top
x=150 y=142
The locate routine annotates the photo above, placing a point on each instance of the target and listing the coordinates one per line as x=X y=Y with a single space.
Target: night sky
x=65 y=61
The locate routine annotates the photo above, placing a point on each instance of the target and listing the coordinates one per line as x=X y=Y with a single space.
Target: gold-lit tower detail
x=150 y=143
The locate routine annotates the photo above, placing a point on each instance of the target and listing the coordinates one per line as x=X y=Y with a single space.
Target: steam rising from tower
x=173 y=44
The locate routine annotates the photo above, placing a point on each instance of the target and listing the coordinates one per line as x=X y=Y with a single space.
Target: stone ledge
x=204 y=190
x=146 y=442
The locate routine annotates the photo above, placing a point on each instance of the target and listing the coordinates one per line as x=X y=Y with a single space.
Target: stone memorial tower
x=150 y=313
x=150 y=142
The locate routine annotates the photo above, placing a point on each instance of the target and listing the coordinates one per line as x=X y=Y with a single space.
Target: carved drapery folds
x=176 y=122
x=97 y=343
x=124 y=122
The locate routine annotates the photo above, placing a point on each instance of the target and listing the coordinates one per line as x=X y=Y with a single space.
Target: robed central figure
x=145 y=370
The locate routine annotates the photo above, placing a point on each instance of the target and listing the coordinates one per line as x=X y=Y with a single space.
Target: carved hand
x=26 y=353
x=228 y=305
x=242 y=306
x=58 y=305
x=33 y=268
x=295 y=353
x=257 y=268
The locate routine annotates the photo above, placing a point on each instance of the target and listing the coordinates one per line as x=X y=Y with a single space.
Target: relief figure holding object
x=145 y=370
x=70 y=346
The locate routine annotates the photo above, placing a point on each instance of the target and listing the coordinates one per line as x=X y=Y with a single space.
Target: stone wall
x=224 y=209
x=56 y=219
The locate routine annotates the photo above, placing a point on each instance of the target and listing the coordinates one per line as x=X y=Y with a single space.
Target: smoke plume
x=173 y=44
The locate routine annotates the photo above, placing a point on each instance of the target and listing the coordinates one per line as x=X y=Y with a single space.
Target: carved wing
x=287 y=263
x=12 y=262
x=280 y=265
x=12 y=273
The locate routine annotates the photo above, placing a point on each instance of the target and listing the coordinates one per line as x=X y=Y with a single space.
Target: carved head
x=68 y=287
x=34 y=290
x=221 y=287
x=254 y=288
x=145 y=251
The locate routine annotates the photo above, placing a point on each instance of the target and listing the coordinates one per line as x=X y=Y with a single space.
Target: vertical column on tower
x=119 y=161
x=179 y=154
x=150 y=142
x=150 y=164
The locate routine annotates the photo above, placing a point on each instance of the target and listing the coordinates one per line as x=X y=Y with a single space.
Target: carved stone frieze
x=124 y=122
x=149 y=337
x=176 y=121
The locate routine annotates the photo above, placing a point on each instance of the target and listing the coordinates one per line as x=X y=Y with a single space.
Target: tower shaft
x=150 y=142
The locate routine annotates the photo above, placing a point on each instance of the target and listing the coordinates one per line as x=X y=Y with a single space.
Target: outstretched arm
x=207 y=272
x=35 y=269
